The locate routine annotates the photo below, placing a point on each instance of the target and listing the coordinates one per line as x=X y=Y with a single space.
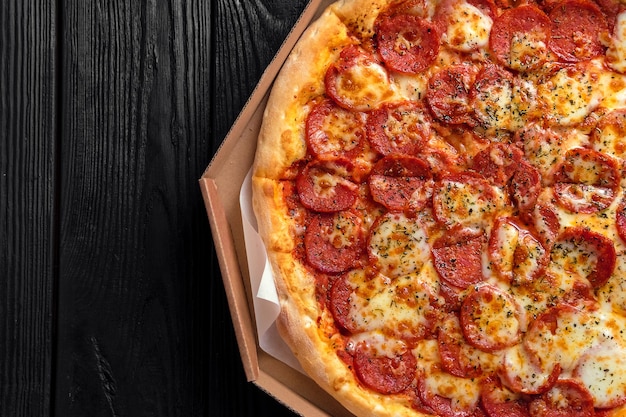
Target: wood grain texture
x=150 y=89
x=27 y=204
x=111 y=299
x=135 y=254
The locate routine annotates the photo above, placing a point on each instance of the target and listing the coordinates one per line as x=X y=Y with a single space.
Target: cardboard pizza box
x=221 y=184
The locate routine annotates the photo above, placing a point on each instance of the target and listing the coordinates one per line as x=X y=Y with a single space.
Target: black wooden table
x=111 y=300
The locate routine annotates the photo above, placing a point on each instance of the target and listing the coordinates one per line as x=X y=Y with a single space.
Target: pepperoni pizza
x=440 y=186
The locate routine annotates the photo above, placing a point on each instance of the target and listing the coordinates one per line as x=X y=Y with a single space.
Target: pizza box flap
x=220 y=185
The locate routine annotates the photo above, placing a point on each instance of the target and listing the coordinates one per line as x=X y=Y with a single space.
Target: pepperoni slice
x=443 y=159
x=500 y=402
x=540 y=337
x=332 y=131
x=466 y=199
x=577 y=26
x=410 y=7
x=448 y=94
x=611 y=9
x=489 y=319
x=516 y=255
x=340 y=304
x=546 y=223
x=382 y=373
x=398 y=128
x=543 y=148
x=357 y=81
x=498 y=162
x=334 y=242
x=566 y=398
x=519 y=38
x=397 y=180
x=456 y=355
x=585 y=252
x=357 y=298
x=587 y=181
x=323 y=186
x=525 y=186
x=488 y=7
x=458 y=257
x=407 y=43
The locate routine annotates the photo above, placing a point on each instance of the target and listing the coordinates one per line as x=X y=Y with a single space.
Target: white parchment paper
x=265 y=301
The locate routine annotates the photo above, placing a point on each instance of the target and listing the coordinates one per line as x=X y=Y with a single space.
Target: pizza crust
x=271 y=212
x=281 y=139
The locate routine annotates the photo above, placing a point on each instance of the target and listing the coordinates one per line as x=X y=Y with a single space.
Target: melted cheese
x=570 y=95
x=400 y=306
x=399 y=245
x=612 y=295
x=340 y=132
x=506 y=237
x=464 y=393
x=469 y=28
x=466 y=203
x=325 y=183
x=343 y=231
x=527 y=50
x=610 y=139
x=616 y=54
x=519 y=366
x=378 y=344
x=365 y=86
x=603 y=371
x=496 y=323
x=580 y=259
x=545 y=149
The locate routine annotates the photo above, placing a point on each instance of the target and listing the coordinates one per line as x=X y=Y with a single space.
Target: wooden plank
x=27 y=204
x=143 y=322
x=135 y=254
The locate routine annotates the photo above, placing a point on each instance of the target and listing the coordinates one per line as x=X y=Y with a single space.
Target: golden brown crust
x=271 y=213
x=281 y=139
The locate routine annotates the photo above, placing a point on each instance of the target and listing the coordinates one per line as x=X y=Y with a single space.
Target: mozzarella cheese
x=527 y=50
x=377 y=343
x=365 y=86
x=343 y=232
x=400 y=305
x=399 y=245
x=570 y=95
x=466 y=203
x=468 y=28
x=341 y=131
x=463 y=393
x=603 y=371
x=616 y=54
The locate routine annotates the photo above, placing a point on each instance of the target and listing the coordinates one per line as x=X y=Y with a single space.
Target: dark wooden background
x=111 y=300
